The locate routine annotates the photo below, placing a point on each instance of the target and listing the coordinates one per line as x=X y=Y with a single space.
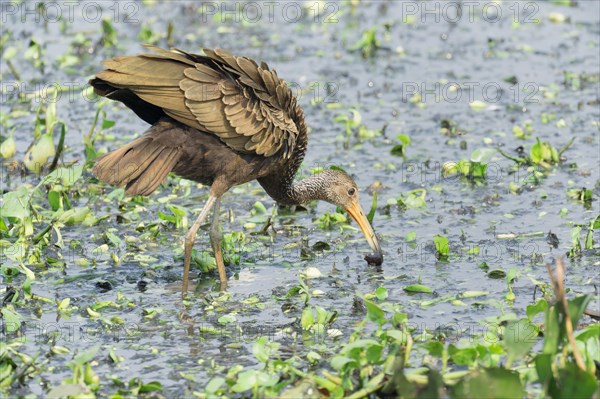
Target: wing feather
x=245 y=104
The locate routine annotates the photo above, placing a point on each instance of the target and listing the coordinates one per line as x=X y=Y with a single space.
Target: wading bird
x=220 y=120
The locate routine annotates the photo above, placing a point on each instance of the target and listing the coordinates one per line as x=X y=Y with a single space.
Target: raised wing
x=246 y=105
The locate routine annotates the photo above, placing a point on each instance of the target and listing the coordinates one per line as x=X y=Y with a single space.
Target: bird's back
x=244 y=104
x=213 y=115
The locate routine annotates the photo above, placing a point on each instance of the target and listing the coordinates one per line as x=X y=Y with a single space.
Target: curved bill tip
x=359 y=216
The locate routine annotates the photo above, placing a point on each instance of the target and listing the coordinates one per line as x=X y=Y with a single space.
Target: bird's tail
x=142 y=165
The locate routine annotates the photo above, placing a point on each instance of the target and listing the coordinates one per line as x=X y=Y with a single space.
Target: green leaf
x=418 y=288
x=441 y=245
x=435 y=348
x=373 y=209
x=227 y=319
x=338 y=362
x=65 y=176
x=481 y=154
x=543 y=367
x=591 y=331
x=307 y=319
x=151 y=387
x=381 y=293
x=374 y=312
x=70 y=390
x=511 y=275
x=245 y=380
x=519 y=337
x=12 y=319
x=413 y=199
x=321 y=314
x=260 y=349
x=462 y=356
x=496 y=274
x=572 y=382
x=411 y=236
x=540 y=306
x=399 y=149
x=214 y=384
x=54 y=200
x=478 y=105
x=551 y=331
x=16 y=204
x=489 y=383
x=83 y=357
x=74 y=215
x=373 y=354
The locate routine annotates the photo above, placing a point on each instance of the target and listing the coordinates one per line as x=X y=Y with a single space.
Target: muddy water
x=499 y=56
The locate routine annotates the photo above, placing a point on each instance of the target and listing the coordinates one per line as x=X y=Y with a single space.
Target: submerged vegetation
x=487 y=210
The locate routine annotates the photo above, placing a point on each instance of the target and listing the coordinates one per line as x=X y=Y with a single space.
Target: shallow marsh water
x=509 y=70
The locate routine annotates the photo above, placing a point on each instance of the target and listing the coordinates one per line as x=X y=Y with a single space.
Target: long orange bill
x=355 y=210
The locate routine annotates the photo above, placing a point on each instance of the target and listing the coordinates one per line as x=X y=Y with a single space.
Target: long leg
x=216 y=240
x=190 y=237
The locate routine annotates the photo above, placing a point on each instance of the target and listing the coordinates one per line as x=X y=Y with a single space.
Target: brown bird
x=220 y=120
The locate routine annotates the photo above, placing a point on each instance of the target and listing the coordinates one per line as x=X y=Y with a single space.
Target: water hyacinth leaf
x=39 y=153
x=478 y=105
x=70 y=390
x=511 y=275
x=540 y=306
x=54 y=200
x=321 y=314
x=260 y=349
x=51 y=109
x=151 y=387
x=489 y=383
x=339 y=362
x=397 y=150
x=214 y=384
x=65 y=176
x=595 y=224
x=83 y=357
x=400 y=149
x=373 y=353
x=8 y=146
x=11 y=318
x=543 y=367
x=307 y=319
x=373 y=209
x=381 y=293
x=573 y=382
x=227 y=319
x=418 y=288
x=496 y=274
x=374 y=312
x=411 y=236
x=519 y=337
x=413 y=199
x=435 y=348
x=441 y=244
x=481 y=154
x=543 y=153
x=551 y=331
x=254 y=378
x=74 y=215
x=259 y=208
x=591 y=331
x=16 y=204
x=473 y=294
x=462 y=356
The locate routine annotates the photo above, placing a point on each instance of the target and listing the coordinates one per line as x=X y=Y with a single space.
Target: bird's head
x=340 y=189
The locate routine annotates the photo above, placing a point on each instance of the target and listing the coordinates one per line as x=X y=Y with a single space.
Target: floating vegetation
x=472 y=197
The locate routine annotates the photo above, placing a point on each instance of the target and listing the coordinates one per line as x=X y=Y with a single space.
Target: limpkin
x=220 y=120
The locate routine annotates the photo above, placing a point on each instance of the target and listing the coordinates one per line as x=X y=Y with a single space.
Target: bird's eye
x=351 y=191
